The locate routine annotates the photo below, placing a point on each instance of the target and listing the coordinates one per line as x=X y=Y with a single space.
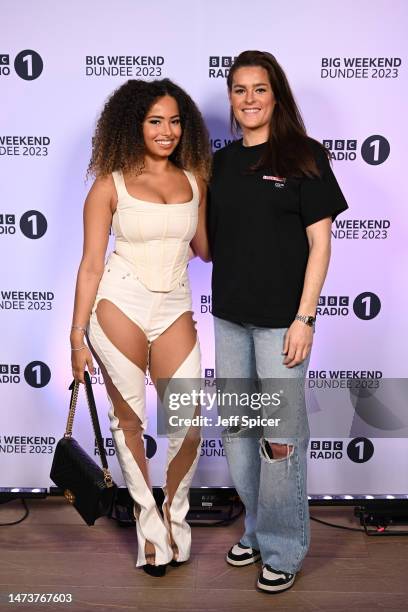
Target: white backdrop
x=346 y=62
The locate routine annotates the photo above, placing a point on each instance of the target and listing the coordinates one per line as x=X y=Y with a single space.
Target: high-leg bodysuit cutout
x=132 y=427
x=168 y=354
x=128 y=338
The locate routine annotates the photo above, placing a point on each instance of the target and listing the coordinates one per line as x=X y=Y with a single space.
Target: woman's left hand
x=297 y=344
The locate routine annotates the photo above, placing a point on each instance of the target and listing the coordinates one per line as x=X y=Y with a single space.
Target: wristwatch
x=309 y=320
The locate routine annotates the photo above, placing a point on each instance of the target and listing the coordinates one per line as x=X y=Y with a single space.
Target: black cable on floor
x=20 y=520
x=313 y=518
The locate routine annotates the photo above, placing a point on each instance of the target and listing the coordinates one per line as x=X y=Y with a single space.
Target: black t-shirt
x=257 y=234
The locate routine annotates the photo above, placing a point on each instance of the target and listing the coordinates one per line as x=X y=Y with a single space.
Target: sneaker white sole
x=275 y=589
x=254 y=559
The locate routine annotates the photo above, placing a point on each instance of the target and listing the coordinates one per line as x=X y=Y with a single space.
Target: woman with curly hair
x=151 y=160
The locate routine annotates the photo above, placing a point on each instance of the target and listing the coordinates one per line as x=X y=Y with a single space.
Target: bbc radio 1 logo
x=359 y=450
x=37 y=374
x=209 y=378
x=28 y=64
x=32 y=224
x=366 y=305
x=219 y=66
x=375 y=150
x=326 y=449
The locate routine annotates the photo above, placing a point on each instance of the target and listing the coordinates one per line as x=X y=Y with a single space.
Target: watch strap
x=307 y=319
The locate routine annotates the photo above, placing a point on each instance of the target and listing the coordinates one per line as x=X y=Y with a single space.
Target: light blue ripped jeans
x=273 y=491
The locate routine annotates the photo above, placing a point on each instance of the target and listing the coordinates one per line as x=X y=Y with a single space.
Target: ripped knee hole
x=273 y=451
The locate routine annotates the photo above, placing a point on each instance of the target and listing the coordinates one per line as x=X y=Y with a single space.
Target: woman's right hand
x=80 y=359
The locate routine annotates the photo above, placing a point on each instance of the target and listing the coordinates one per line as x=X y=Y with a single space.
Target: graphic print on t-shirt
x=279 y=180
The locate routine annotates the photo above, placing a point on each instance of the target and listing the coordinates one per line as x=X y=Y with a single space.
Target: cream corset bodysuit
x=145 y=285
x=155 y=237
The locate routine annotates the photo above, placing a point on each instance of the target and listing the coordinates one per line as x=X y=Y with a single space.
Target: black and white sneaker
x=273 y=581
x=240 y=555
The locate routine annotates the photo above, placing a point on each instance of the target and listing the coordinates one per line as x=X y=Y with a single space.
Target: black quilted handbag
x=86 y=486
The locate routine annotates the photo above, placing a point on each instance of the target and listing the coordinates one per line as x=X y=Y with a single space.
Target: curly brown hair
x=118 y=143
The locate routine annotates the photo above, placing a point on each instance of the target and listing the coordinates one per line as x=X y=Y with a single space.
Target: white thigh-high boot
x=175 y=512
x=129 y=380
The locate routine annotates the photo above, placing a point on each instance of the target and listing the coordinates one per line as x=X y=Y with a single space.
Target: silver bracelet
x=78 y=349
x=78 y=327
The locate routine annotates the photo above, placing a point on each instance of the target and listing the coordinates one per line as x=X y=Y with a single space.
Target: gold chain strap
x=71 y=413
x=70 y=422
